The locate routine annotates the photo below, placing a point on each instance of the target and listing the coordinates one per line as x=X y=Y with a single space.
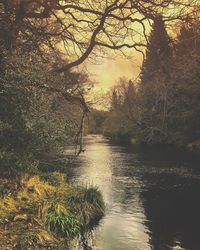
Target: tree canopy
x=78 y=28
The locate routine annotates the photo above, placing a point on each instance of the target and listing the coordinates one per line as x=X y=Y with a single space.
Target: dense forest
x=161 y=107
x=43 y=109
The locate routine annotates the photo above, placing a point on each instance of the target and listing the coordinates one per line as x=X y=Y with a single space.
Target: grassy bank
x=46 y=213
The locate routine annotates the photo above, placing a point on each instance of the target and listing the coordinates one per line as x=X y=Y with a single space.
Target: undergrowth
x=49 y=203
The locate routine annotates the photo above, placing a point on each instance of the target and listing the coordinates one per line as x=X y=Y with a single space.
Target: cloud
x=107 y=73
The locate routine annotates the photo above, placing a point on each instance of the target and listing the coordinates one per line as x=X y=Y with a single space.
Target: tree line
x=163 y=106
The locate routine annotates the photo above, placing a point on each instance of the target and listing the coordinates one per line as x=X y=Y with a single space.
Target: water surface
x=152 y=195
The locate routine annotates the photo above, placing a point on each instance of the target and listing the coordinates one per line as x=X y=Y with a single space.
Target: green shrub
x=14 y=165
x=62 y=222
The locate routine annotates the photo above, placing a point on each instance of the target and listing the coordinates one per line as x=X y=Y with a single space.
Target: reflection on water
x=152 y=196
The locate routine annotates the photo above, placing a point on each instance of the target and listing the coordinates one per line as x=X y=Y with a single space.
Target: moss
x=61 y=210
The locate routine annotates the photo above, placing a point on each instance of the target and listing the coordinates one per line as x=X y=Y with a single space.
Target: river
x=152 y=195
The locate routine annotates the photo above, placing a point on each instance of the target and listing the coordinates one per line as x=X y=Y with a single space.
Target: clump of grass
x=61 y=221
x=87 y=204
x=24 y=200
x=94 y=196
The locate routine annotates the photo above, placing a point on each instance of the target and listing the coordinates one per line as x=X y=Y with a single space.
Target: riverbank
x=46 y=212
x=192 y=148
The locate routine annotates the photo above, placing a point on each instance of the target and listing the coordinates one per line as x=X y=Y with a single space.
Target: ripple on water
x=151 y=196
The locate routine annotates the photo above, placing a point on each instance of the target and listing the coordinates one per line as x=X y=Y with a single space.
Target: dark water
x=152 y=196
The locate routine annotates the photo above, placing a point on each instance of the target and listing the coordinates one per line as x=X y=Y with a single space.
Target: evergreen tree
x=158 y=51
x=154 y=83
x=185 y=86
x=114 y=101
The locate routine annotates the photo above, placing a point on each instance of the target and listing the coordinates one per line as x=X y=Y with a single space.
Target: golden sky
x=110 y=70
x=107 y=74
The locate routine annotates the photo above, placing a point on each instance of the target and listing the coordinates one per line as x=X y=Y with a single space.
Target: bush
x=14 y=164
x=35 y=123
